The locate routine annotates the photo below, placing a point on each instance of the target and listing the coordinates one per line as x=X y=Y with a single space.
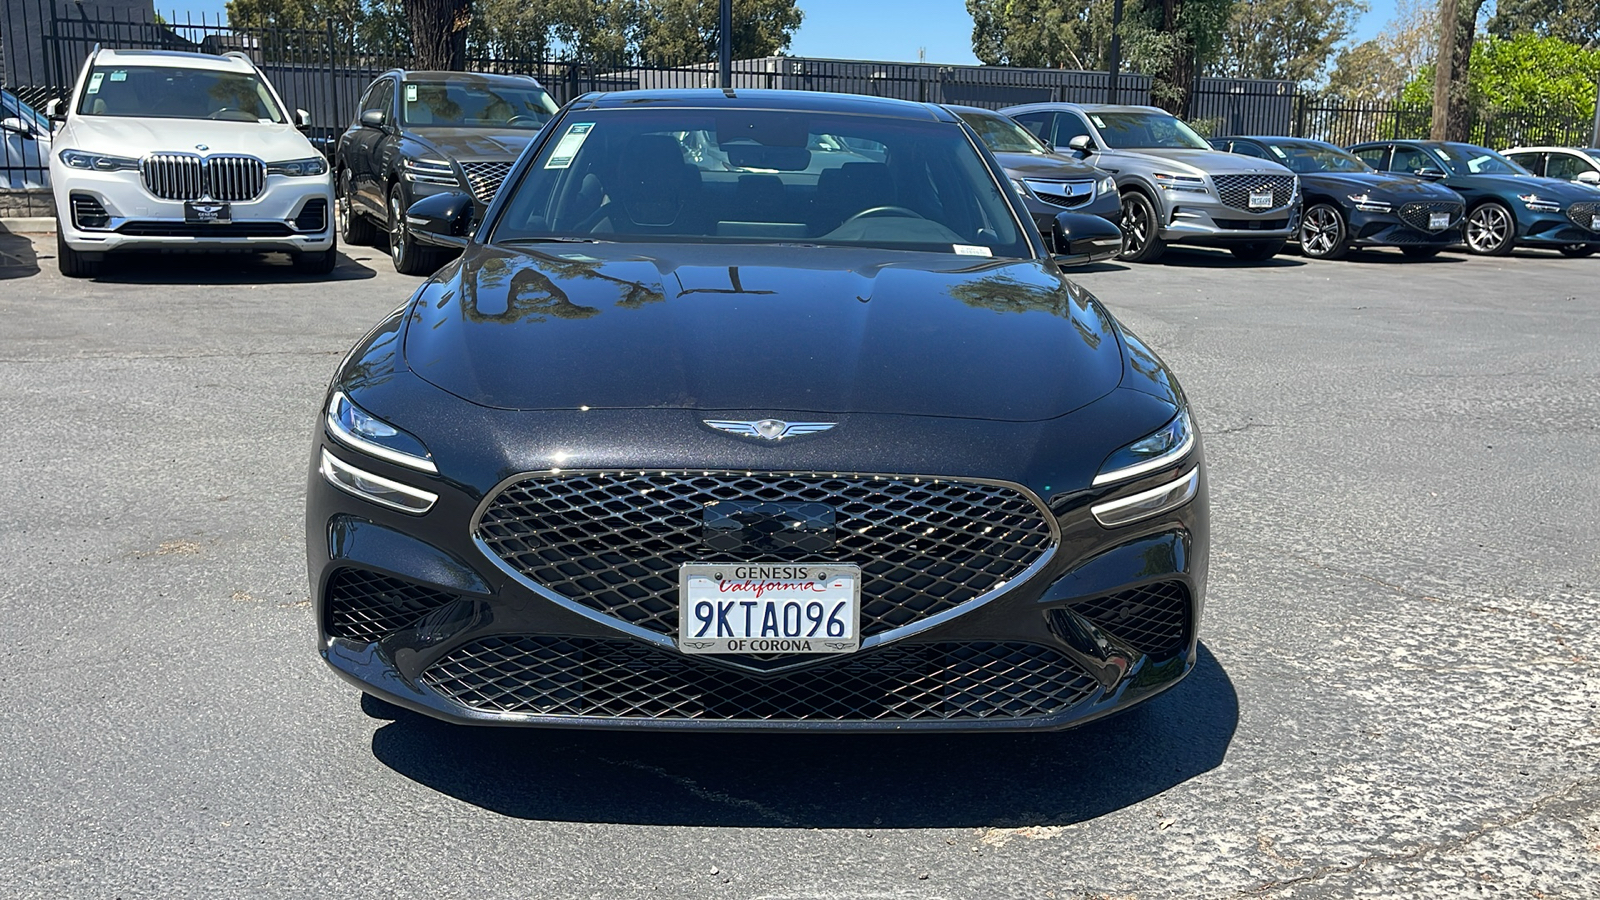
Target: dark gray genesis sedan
x=755 y=410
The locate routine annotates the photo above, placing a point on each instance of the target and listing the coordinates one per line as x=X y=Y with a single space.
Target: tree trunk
x=1171 y=89
x=1452 y=113
x=438 y=33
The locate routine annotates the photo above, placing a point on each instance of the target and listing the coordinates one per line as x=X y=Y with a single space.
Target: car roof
x=799 y=101
x=478 y=77
x=177 y=59
x=1549 y=149
x=1085 y=107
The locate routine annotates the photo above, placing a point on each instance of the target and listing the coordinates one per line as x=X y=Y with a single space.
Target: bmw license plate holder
x=207 y=212
x=1260 y=199
x=1438 y=221
x=769 y=608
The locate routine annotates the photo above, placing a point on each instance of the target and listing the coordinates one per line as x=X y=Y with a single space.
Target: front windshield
x=1310 y=157
x=458 y=105
x=1467 y=159
x=162 y=92
x=755 y=176
x=1002 y=135
x=1146 y=130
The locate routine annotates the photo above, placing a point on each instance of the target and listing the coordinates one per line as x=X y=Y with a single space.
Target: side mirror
x=1077 y=239
x=302 y=120
x=1081 y=144
x=54 y=111
x=1429 y=173
x=372 y=118
x=17 y=127
x=443 y=220
x=1589 y=177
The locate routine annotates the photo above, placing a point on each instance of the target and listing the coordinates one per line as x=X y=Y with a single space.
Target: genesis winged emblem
x=768 y=429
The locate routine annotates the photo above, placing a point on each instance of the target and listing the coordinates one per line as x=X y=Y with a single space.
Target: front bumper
x=1556 y=229
x=414 y=610
x=1193 y=218
x=291 y=214
x=1372 y=229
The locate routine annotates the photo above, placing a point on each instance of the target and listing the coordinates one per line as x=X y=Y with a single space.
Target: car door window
x=1069 y=126
x=1248 y=149
x=1533 y=162
x=1566 y=166
x=1412 y=160
x=1038 y=123
x=366 y=100
x=1376 y=157
x=383 y=99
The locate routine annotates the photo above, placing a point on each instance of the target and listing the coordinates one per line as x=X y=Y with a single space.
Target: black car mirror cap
x=443 y=220
x=372 y=118
x=1077 y=239
x=1081 y=144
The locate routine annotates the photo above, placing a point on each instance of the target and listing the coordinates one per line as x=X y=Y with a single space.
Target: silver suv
x=1175 y=188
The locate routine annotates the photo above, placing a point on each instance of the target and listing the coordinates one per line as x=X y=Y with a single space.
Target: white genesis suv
x=185 y=151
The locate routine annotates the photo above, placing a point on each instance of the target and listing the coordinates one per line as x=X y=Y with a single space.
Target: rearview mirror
x=372 y=118
x=1429 y=173
x=18 y=127
x=443 y=220
x=54 y=111
x=1077 y=239
x=302 y=120
x=1081 y=144
x=1589 y=177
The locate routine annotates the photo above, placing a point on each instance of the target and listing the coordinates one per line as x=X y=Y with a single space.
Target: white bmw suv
x=185 y=151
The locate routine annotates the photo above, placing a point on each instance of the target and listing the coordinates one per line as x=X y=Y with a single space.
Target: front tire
x=1323 y=233
x=1421 y=252
x=1257 y=251
x=74 y=264
x=1141 y=229
x=407 y=256
x=355 y=229
x=1491 y=229
x=313 y=263
x=1577 y=251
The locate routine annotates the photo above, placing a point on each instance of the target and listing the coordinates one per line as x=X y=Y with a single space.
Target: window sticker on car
x=1277 y=150
x=94 y=82
x=570 y=144
x=1098 y=122
x=972 y=250
x=119 y=76
x=1443 y=155
x=411 y=93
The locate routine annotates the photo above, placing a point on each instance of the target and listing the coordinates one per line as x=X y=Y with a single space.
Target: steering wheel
x=522 y=120
x=875 y=211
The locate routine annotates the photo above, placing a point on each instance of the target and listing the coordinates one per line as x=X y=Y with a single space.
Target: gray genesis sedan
x=1175 y=187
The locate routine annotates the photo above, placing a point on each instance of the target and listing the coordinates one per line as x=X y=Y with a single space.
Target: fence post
x=333 y=78
x=1300 y=115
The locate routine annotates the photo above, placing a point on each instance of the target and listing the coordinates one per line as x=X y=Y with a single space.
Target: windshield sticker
x=971 y=250
x=119 y=76
x=411 y=93
x=1442 y=155
x=1278 y=150
x=94 y=82
x=1098 y=122
x=570 y=144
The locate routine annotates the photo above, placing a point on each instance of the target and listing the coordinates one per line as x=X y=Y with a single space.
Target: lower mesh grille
x=313 y=216
x=88 y=213
x=366 y=606
x=1583 y=214
x=1153 y=619
x=1417 y=215
x=594 y=678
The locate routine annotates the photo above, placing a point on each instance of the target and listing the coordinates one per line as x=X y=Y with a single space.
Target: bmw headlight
x=99 y=162
x=1171 y=443
x=1365 y=203
x=315 y=165
x=360 y=430
x=1535 y=203
x=430 y=171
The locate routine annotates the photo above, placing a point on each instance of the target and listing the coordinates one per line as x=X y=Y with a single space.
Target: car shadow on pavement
x=1211 y=258
x=996 y=780
x=219 y=268
x=17 y=258
x=1386 y=256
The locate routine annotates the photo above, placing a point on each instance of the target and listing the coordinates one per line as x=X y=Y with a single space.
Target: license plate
x=1438 y=221
x=769 y=608
x=202 y=212
x=1260 y=199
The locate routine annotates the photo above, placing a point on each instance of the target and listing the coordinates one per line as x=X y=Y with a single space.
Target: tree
x=1365 y=73
x=1458 y=24
x=685 y=31
x=1527 y=74
x=1168 y=39
x=1288 y=39
x=1574 y=21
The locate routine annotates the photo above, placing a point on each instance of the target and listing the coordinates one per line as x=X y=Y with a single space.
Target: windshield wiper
x=554 y=240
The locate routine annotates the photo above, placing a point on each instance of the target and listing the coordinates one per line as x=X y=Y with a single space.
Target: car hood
x=1203 y=162
x=121 y=136
x=1509 y=185
x=1029 y=165
x=475 y=143
x=1378 y=183
x=762 y=329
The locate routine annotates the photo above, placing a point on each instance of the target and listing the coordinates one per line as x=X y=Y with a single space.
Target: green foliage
x=1573 y=21
x=1524 y=74
x=686 y=30
x=1051 y=34
x=1365 y=73
x=1286 y=39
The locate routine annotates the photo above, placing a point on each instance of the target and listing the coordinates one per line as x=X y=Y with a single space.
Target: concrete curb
x=28 y=224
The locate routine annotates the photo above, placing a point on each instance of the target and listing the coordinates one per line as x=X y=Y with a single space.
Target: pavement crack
x=1237 y=429
x=1442 y=848
x=704 y=793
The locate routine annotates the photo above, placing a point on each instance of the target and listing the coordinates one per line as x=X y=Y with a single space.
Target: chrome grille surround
x=1415 y=215
x=1235 y=190
x=485 y=178
x=1067 y=194
x=545 y=675
x=233 y=178
x=1582 y=215
x=608 y=544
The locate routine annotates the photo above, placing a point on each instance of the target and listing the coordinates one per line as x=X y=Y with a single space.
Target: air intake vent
x=87 y=212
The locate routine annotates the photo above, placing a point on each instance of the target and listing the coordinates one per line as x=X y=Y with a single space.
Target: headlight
x=1191 y=183
x=356 y=428
x=1536 y=203
x=375 y=488
x=77 y=159
x=1143 y=505
x=1365 y=203
x=1022 y=189
x=1163 y=448
x=1107 y=185
x=430 y=171
x=316 y=165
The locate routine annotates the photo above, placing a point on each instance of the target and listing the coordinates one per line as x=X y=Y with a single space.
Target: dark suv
x=421 y=133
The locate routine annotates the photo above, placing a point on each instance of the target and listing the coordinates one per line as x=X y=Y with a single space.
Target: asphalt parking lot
x=1396 y=697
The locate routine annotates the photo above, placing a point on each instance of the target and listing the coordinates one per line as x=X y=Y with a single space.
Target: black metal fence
x=43 y=44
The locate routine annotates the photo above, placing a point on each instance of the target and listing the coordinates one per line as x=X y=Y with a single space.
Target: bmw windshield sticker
x=972 y=250
x=411 y=93
x=570 y=144
x=94 y=82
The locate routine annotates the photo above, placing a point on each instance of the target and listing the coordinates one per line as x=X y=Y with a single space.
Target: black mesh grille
x=1416 y=215
x=557 y=676
x=313 y=216
x=614 y=542
x=1154 y=619
x=217 y=230
x=485 y=178
x=366 y=606
x=88 y=213
x=1235 y=190
x=1582 y=215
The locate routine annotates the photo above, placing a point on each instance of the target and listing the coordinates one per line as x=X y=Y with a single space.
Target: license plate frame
x=207 y=212
x=1438 y=221
x=767 y=608
x=1261 y=200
